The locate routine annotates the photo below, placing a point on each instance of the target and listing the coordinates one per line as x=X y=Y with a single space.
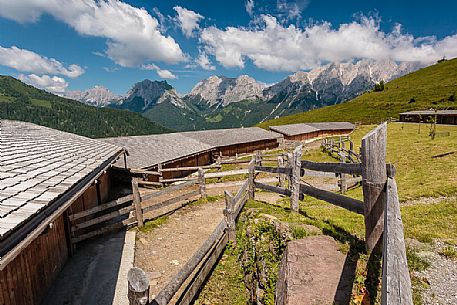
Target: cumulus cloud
x=52 y=84
x=187 y=20
x=29 y=61
x=275 y=47
x=167 y=74
x=204 y=62
x=133 y=35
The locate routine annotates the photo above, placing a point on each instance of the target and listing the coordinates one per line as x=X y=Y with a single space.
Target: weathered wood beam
x=349 y=204
x=100 y=208
x=137 y=202
x=374 y=175
x=271 y=188
x=274 y=170
x=169 y=189
x=396 y=283
x=170 y=201
x=295 y=179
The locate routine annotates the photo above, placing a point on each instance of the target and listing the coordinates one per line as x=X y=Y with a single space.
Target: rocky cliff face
x=98 y=96
x=146 y=94
x=221 y=90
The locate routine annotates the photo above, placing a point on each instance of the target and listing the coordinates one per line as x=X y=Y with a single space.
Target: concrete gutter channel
x=97 y=273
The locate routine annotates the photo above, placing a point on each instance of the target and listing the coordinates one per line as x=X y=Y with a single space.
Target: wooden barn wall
x=232 y=150
x=25 y=280
x=318 y=134
x=441 y=119
x=195 y=160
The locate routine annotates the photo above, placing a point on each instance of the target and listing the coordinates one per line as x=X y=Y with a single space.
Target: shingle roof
x=226 y=137
x=430 y=112
x=147 y=151
x=40 y=164
x=303 y=128
x=294 y=129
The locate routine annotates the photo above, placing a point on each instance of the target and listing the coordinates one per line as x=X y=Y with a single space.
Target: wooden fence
x=198 y=267
x=380 y=208
x=132 y=209
x=341 y=148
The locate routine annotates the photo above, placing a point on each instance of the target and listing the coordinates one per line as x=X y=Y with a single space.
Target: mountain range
x=223 y=102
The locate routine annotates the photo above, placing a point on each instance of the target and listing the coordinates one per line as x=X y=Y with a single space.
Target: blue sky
x=62 y=45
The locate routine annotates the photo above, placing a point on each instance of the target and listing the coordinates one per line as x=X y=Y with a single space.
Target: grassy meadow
x=420 y=179
x=433 y=86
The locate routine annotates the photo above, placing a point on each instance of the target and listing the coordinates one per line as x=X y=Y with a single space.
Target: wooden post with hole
x=229 y=213
x=251 y=177
x=343 y=182
x=295 y=183
x=138 y=287
x=201 y=182
x=137 y=202
x=374 y=175
x=282 y=177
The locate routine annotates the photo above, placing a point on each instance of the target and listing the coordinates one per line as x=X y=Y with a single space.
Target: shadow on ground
x=90 y=276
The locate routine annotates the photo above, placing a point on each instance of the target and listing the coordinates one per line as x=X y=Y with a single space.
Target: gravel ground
x=441 y=275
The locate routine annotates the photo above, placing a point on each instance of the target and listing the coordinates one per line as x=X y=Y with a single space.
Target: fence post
x=351 y=151
x=138 y=286
x=343 y=182
x=201 y=182
x=281 y=176
x=137 y=202
x=295 y=187
x=374 y=175
x=230 y=216
x=251 y=177
x=258 y=158
x=290 y=164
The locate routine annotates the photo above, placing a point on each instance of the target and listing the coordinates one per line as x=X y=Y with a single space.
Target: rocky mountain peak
x=97 y=96
x=221 y=90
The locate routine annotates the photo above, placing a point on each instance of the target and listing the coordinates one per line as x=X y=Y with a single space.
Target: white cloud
x=249 y=7
x=133 y=35
x=291 y=9
x=204 y=62
x=52 y=84
x=274 y=47
x=188 y=20
x=167 y=74
x=29 y=61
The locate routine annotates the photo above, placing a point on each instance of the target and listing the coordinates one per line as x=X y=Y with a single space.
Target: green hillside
x=431 y=87
x=22 y=102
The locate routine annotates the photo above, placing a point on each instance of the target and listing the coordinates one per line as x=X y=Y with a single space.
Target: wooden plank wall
x=26 y=279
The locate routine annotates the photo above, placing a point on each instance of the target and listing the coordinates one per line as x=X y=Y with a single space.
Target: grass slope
x=430 y=87
x=22 y=102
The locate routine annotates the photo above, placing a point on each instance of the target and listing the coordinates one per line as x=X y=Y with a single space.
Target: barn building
x=230 y=142
x=308 y=132
x=193 y=148
x=442 y=116
x=171 y=150
x=45 y=176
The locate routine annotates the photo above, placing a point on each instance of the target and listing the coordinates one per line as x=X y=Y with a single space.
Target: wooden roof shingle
x=38 y=165
x=231 y=136
x=150 y=150
x=304 y=128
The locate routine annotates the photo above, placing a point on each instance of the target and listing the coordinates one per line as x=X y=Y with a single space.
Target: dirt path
x=165 y=249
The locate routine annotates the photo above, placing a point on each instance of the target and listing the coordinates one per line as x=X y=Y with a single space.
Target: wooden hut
x=169 y=150
x=310 y=131
x=45 y=176
x=230 y=142
x=426 y=116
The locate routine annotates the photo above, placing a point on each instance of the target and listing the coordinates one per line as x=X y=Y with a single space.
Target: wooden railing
x=341 y=148
x=198 y=267
x=380 y=208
